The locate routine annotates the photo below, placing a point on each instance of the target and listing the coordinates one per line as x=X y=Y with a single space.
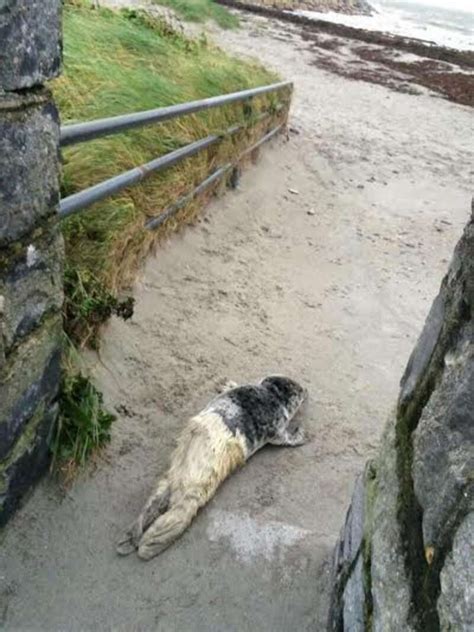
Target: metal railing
x=156 y=222
x=81 y=132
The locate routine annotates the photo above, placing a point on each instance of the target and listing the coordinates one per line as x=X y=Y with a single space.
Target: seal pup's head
x=289 y=393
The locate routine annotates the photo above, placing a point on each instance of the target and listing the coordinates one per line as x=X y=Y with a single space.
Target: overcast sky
x=466 y=5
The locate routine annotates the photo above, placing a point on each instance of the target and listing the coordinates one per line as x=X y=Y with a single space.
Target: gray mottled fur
x=212 y=445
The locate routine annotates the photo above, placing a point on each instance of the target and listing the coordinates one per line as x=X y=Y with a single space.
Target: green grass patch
x=83 y=425
x=116 y=63
x=201 y=11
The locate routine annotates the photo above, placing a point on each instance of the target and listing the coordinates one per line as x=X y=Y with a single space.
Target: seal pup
x=213 y=444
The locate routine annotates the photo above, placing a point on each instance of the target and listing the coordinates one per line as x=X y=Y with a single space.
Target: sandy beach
x=321 y=265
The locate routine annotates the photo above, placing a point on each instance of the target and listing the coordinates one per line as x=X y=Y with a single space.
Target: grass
x=116 y=63
x=84 y=425
x=201 y=11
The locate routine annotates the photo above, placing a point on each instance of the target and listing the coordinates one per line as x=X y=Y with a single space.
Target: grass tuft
x=83 y=426
x=88 y=304
x=201 y=11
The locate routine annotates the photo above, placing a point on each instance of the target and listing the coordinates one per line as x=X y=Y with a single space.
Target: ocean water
x=453 y=27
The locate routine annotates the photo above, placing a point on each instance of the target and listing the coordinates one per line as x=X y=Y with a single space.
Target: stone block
x=453 y=305
x=391 y=592
x=346 y=570
x=456 y=602
x=27 y=462
x=29 y=381
x=30 y=42
x=354 y=527
x=29 y=184
x=421 y=355
x=444 y=444
x=354 y=600
x=31 y=285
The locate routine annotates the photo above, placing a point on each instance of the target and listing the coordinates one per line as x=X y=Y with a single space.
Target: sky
x=465 y=5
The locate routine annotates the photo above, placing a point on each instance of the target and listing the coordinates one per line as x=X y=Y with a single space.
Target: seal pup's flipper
x=289 y=438
x=156 y=505
x=169 y=526
x=226 y=385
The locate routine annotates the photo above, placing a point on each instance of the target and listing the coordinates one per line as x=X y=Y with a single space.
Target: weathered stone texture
x=31 y=251
x=390 y=584
x=29 y=381
x=30 y=42
x=444 y=444
x=29 y=191
x=27 y=462
x=348 y=603
x=354 y=600
x=452 y=307
x=456 y=603
x=421 y=355
x=31 y=284
x=355 y=523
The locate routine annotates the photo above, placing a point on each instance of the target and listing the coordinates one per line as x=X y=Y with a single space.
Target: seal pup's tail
x=156 y=505
x=169 y=526
x=206 y=454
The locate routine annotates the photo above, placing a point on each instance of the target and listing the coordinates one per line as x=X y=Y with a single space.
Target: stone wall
x=31 y=251
x=405 y=559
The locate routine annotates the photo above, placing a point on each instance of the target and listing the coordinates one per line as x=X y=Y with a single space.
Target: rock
x=29 y=184
x=30 y=42
x=31 y=250
x=29 y=382
x=348 y=594
x=354 y=600
x=311 y=212
x=445 y=314
x=31 y=286
x=293 y=191
x=444 y=444
x=28 y=462
x=456 y=602
x=354 y=527
x=391 y=593
x=421 y=355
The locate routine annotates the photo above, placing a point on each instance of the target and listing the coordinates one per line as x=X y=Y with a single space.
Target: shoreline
x=399 y=63
x=411 y=45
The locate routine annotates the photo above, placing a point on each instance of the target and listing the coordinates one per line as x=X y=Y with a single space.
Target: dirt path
x=329 y=283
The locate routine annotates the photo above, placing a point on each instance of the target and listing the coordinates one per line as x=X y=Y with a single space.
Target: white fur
x=206 y=454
